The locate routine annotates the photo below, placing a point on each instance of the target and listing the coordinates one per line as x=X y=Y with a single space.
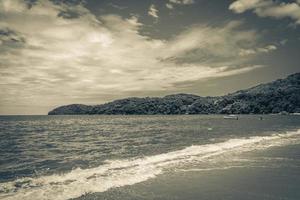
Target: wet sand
x=271 y=175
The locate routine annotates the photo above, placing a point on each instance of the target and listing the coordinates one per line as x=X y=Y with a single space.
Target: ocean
x=186 y=157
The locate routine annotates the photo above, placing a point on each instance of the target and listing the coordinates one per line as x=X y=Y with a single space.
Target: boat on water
x=231 y=117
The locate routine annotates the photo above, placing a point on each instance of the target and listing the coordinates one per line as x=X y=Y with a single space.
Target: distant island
x=280 y=96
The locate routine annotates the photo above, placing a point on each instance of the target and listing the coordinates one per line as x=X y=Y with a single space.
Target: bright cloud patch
x=266 y=49
x=269 y=8
x=170 y=4
x=153 y=12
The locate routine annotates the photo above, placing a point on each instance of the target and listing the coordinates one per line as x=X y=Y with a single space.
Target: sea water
x=150 y=157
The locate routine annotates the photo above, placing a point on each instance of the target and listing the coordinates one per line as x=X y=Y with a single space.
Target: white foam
x=117 y=173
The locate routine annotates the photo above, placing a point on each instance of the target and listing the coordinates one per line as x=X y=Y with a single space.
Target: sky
x=58 y=52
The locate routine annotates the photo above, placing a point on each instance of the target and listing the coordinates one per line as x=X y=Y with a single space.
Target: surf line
x=118 y=173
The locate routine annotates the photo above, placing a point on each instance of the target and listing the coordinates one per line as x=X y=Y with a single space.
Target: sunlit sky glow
x=62 y=52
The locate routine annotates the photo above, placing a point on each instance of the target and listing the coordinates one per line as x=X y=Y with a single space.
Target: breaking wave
x=117 y=173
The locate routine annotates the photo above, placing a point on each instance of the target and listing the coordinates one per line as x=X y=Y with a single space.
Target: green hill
x=282 y=95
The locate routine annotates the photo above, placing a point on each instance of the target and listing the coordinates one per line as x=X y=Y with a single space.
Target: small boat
x=283 y=113
x=231 y=117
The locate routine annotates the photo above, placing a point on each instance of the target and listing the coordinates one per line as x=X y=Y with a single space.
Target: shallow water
x=100 y=157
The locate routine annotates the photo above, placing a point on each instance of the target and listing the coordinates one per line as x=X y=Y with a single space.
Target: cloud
x=206 y=44
x=266 y=49
x=9 y=36
x=241 y=6
x=268 y=8
x=117 y=6
x=153 y=12
x=170 y=4
x=182 y=2
x=85 y=58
